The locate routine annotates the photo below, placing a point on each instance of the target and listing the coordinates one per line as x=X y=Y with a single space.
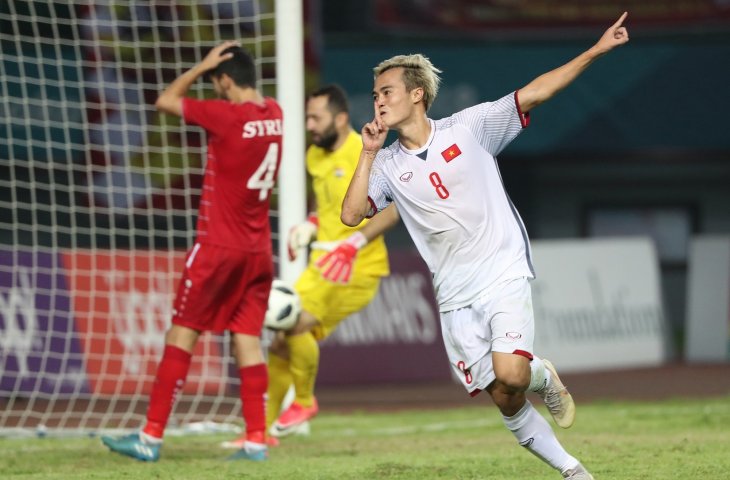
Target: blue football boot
x=133 y=446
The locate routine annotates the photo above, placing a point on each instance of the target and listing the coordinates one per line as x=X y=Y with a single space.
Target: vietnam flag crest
x=451 y=153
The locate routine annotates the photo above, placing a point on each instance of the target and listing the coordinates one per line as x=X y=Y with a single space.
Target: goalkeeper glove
x=336 y=266
x=301 y=235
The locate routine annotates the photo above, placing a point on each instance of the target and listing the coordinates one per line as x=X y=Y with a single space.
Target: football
x=284 y=307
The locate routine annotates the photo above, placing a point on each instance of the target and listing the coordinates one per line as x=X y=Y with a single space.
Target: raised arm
x=544 y=87
x=170 y=100
x=380 y=223
x=355 y=206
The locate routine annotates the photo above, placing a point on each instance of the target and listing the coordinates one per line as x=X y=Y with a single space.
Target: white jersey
x=451 y=198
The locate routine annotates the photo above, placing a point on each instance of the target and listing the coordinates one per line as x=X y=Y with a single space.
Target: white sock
x=254 y=447
x=540 y=377
x=534 y=433
x=149 y=439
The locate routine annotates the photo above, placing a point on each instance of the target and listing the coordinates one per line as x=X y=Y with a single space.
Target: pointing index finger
x=375 y=108
x=621 y=19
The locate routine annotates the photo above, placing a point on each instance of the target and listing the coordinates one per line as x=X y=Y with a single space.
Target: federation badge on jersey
x=451 y=153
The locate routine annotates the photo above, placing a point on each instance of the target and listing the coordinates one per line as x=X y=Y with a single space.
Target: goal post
x=99 y=196
x=290 y=90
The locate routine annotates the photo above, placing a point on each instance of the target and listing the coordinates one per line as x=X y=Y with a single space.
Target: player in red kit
x=228 y=272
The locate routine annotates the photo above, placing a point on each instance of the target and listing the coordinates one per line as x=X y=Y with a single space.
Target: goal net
x=98 y=203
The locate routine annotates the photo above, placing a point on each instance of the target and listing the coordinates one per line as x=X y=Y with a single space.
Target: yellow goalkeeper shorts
x=331 y=302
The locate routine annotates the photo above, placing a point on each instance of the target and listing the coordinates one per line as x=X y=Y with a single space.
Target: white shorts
x=501 y=321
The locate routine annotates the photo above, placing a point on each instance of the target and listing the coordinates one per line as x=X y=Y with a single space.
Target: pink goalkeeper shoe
x=294 y=417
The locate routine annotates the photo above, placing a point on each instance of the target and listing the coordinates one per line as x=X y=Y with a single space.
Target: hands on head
x=214 y=57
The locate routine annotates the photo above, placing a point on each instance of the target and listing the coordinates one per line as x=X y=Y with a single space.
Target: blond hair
x=418 y=71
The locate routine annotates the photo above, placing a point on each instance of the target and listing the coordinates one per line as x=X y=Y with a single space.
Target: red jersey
x=244 y=153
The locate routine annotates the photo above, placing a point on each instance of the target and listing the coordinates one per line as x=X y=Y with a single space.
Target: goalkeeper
x=345 y=264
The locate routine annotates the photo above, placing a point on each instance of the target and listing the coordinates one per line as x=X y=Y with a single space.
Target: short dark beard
x=328 y=138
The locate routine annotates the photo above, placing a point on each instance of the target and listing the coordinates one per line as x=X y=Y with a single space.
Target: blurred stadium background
x=623 y=181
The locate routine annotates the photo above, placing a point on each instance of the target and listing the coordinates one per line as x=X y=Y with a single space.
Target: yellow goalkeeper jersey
x=331 y=173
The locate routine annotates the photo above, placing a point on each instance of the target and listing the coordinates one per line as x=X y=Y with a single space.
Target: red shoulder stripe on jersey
x=373 y=208
x=523 y=353
x=524 y=117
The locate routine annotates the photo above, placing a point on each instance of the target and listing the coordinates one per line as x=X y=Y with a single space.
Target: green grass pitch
x=666 y=440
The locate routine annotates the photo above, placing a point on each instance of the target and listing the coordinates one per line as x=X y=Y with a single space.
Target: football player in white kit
x=443 y=176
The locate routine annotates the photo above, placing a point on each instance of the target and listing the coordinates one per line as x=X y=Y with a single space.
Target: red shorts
x=223 y=289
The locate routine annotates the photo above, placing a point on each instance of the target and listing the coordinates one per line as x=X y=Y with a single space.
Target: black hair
x=240 y=67
x=336 y=98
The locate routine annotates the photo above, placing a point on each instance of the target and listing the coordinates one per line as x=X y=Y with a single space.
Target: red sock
x=254 y=382
x=171 y=374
